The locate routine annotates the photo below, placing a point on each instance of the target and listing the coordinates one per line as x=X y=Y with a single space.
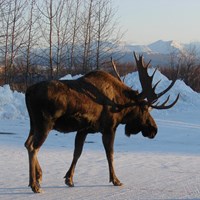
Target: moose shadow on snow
x=7 y=133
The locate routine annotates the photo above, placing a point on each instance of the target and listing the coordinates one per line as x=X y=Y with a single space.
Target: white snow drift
x=12 y=104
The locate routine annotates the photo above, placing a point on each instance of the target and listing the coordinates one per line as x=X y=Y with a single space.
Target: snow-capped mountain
x=137 y=48
x=158 y=47
x=159 y=51
x=166 y=47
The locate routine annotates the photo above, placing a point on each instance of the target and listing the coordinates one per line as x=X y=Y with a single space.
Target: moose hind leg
x=33 y=145
x=38 y=169
x=38 y=172
x=108 y=142
x=28 y=145
x=34 y=184
x=79 y=142
x=32 y=154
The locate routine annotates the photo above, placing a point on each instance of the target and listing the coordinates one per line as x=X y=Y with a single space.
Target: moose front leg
x=79 y=142
x=108 y=142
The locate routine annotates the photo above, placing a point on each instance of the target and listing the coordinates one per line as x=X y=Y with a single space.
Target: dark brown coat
x=96 y=102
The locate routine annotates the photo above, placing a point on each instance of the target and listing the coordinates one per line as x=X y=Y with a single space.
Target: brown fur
x=96 y=102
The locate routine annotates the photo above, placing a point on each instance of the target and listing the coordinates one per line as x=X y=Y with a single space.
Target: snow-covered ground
x=166 y=167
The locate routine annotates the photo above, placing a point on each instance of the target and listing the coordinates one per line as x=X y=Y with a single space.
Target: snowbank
x=70 y=77
x=12 y=104
x=189 y=99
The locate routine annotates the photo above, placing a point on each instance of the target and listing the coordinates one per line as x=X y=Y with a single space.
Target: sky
x=146 y=21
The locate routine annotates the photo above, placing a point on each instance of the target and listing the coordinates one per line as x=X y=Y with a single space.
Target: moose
x=95 y=102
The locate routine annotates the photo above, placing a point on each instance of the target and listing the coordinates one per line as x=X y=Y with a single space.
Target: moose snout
x=153 y=134
x=150 y=132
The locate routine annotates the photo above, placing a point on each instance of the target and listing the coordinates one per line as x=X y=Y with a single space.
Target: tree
x=105 y=28
x=48 y=10
x=75 y=28
x=13 y=25
x=61 y=34
x=188 y=62
x=87 y=27
x=185 y=65
x=63 y=26
x=99 y=34
x=30 y=40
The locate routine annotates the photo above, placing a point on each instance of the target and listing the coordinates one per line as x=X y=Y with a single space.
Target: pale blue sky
x=146 y=21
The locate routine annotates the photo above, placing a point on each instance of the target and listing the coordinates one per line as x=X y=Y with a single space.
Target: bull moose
x=95 y=102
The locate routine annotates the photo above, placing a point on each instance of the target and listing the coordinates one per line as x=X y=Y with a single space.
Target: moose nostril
x=153 y=132
x=152 y=136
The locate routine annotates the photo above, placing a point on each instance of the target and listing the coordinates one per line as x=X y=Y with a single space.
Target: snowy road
x=164 y=168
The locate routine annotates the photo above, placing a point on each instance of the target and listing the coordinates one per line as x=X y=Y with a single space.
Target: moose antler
x=147 y=90
x=115 y=69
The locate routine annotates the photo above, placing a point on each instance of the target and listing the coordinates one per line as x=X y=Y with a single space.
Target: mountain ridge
x=159 y=51
x=159 y=46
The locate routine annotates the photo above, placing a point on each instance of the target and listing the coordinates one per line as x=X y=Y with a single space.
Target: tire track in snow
x=178 y=124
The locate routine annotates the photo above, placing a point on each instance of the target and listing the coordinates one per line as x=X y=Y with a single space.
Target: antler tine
x=154 y=87
x=140 y=60
x=166 y=90
x=154 y=72
x=145 y=80
x=115 y=70
x=164 y=106
x=149 y=64
x=134 y=54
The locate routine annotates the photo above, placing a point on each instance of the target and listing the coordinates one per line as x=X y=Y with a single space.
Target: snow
x=157 y=47
x=166 y=167
x=137 y=48
x=165 y=47
x=12 y=104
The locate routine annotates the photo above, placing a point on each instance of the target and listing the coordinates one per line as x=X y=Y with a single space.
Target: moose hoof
x=69 y=182
x=117 y=183
x=36 y=188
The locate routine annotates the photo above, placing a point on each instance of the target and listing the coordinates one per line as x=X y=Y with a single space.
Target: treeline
x=185 y=65
x=191 y=77
x=45 y=39
x=42 y=39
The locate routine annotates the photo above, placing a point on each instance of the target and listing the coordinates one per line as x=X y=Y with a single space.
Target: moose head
x=140 y=119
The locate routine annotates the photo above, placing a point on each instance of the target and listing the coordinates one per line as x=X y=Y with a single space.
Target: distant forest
x=42 y=39
x=46 y=39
